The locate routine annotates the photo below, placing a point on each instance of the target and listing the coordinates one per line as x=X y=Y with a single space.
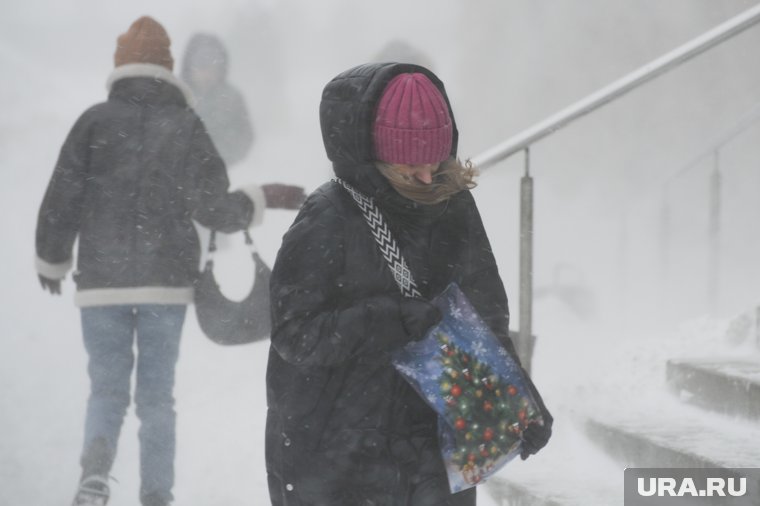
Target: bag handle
x=385 y=241
x=212 y=246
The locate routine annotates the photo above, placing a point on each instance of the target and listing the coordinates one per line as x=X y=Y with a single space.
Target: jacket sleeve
x=60 y=213
x=310 y=326
x=210 y=200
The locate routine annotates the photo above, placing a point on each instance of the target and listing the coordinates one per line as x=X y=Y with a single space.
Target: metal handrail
x=616 y=89
x=524 y=140
x=715 y=201
x=745 y=122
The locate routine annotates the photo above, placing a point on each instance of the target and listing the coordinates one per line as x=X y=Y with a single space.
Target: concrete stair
x=731 y=387
x=631 y=405
x=672 y=433
x=508 y=493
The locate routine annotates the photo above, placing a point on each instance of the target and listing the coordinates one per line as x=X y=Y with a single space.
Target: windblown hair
x=451 y=177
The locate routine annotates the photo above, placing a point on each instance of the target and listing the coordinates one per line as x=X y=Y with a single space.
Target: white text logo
x=671 y=487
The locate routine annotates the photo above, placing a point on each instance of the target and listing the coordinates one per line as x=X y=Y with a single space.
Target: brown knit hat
x=146 y=41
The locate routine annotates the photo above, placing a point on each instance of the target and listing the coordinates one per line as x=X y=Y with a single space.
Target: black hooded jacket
x=132 y=175
x=339 y=414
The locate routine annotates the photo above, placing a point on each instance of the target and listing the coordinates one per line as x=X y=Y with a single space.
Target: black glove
x=535 y=436
x=283 y=196
x=51 y=285
x=417 y=316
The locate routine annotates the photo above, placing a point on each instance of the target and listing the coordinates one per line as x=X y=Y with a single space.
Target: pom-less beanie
x=412 y=125
x=146 y=41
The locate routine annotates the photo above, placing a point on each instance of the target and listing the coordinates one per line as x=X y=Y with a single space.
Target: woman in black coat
x=343 y=427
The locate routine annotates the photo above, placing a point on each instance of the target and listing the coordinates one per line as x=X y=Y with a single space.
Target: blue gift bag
x=477 y=388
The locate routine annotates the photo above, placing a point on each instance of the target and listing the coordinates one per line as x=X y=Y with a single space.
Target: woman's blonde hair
x=451 y=177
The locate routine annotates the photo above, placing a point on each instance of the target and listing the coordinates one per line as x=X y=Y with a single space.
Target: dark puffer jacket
x=343 y=427
x=131 y=176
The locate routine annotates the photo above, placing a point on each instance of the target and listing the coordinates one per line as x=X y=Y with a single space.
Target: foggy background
x=606 y=269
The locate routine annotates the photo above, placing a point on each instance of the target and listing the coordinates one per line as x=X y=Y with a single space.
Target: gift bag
x=478 y=390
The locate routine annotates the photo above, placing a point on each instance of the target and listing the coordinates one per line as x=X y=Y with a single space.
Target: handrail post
x=525 y=336
x=664 y=244
x=714 y=234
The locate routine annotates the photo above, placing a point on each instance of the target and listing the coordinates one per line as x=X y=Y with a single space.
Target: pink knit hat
x=413 y=125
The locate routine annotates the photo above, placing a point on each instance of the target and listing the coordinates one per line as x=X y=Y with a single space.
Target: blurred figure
x=220 y=105
x=224 y=113
x=343 y=427
x=132 y=175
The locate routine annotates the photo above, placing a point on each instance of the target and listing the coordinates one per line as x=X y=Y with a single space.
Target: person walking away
x=132 y=175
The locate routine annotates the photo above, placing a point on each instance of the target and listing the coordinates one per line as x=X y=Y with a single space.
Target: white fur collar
x=149 y=70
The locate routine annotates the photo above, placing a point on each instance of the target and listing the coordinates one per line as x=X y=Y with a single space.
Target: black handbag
x=229 y=322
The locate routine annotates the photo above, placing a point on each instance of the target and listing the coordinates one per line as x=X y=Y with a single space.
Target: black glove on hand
x=51 y=285
x=417 y=316
x=283 y=196
x=535 y=436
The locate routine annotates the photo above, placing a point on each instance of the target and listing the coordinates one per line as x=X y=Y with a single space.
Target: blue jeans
x=109 y=334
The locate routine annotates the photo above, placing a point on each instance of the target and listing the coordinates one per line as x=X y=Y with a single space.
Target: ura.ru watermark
x=714 y=487
x=698 y=486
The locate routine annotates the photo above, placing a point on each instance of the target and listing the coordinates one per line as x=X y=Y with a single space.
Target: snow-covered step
x=672 y=434
x=507 y=493
x=727 y=386
x=570 y=471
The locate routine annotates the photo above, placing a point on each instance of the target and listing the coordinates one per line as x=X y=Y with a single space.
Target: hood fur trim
x=150 y=70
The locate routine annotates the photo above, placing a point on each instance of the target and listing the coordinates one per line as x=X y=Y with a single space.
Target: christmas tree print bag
x=480 y=393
